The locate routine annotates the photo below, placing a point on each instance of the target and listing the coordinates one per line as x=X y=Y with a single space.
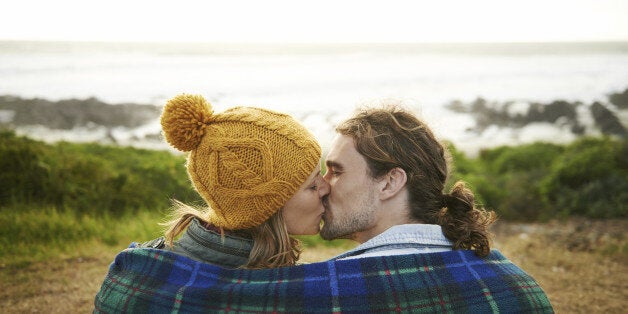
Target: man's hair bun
x=184 y=119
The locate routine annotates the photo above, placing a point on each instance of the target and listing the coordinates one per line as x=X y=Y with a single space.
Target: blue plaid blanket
x=158 y=281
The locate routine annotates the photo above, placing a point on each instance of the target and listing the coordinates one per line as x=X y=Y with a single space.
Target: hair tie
x=444 y=200
x=455 y=203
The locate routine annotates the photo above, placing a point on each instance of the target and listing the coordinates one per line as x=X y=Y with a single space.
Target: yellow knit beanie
x=245 y=162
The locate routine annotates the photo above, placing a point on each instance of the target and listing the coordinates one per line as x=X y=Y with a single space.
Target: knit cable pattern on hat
x=279 y=127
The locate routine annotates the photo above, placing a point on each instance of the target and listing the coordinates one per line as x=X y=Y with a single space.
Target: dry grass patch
x=582 y=265
x=63 y=285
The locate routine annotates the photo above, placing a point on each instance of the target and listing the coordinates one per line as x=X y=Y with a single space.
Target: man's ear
x=393 y=182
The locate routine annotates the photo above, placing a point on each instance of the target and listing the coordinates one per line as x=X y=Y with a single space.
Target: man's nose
x=327 y=176
x=323 y=188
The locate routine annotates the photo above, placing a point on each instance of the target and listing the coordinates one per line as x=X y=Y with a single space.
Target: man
x=387 y=174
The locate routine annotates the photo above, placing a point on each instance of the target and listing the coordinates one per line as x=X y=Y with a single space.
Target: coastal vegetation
x=66 y=193
x=66 y=209
x=540 y=181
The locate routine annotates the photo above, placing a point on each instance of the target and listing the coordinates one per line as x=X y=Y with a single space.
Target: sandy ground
x=582 y=265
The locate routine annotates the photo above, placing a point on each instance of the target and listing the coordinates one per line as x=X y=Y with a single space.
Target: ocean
x=322 y=84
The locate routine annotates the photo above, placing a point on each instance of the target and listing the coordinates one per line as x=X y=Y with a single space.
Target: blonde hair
x=272 y=245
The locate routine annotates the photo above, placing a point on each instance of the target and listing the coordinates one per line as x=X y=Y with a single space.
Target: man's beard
x=344 y=227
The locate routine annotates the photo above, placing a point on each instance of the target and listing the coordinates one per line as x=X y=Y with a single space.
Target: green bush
x=515 y=174
x=540 y=181
x=90 y=178
x=524 y=158
x=23 y=175
x=590 y=179
x=505 y=179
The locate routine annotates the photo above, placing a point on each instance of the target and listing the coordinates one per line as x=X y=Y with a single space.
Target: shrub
x=524 y=158
x=22 y=173
x=589 y=179
x=90 y=178
x=510 y=179
x=539 y=181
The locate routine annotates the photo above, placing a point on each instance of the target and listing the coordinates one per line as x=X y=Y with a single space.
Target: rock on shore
x=579 y=118
x=82 y=120
x=514 y=122
x=71 y=113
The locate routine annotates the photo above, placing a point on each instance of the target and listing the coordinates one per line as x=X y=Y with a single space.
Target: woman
x=258 y=171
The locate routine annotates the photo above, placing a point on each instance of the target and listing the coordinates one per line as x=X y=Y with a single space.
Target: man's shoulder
x=402 y=240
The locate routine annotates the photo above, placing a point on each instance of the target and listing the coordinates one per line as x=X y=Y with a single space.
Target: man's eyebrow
x=333 y=164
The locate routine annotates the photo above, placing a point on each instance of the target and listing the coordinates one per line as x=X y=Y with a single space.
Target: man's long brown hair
x=391 y=137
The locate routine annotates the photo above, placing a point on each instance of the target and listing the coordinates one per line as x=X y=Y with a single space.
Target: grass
x=31 y=235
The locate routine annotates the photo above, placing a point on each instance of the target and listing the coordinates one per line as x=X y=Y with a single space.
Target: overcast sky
x=316 y=20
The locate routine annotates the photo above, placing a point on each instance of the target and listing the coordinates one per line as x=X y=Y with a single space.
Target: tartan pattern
x=158 y=281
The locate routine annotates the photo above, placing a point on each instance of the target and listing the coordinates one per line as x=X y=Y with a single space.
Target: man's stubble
x=343 y=225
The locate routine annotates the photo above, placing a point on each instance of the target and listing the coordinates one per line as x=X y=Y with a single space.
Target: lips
x=327 y=211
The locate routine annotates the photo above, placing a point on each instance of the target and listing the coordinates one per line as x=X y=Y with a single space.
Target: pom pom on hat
x=184 y=119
